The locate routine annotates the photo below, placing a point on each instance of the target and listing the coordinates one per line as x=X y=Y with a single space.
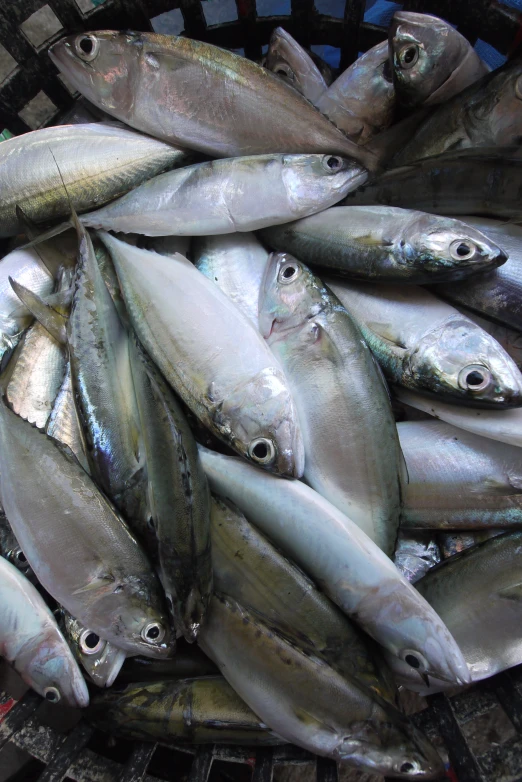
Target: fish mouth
x=118 y=658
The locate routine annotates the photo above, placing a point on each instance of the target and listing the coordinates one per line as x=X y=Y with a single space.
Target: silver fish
x=63 y=424
x=287 y=59
x=386 y=244
x=101 y=660
x=168 y=245
x=415 y=553
x=344 y=563
x=509 y=339
x=245 y=403
x=152 y=82
x=31 y=640
x=426 y=345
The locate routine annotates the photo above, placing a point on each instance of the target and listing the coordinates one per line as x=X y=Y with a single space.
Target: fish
x=186 y=664
x=168 y=245
x=508 y=338
x=426 y=345
x=63 y=423
x=352 y=458
x=152 y=83
x=248 y=568
x=225 y=196
x=486 y=114
x=458 y=480
x=415 y=553
x=496 y=294
x=193 y=711
x=81 y=551
x=246 y=404
x=303 y=699
x=31 y=641
x=432 y=62
x=101 y=660
x=342 y=561
x=89 y=164
x=502 y=425
x=478 y=593
x=236 y=263
x=361 y=101
x=484 y=182
x=177 y=497
x=387 y=244
x=286 y=58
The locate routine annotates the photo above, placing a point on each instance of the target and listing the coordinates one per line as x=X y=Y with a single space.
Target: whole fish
x=496 y=294
x=385 y=244
x=344 y=563
x=32 y=642
x=352 y=458
x=97 y=162
x=63 y=424
x=361 y=101
x=196 y=711
x=478 y=594
x=415 y=553
x=81 y=551
x=432 y=62
x=303 y=699
x=484 y=181
x=236 y=263
x=248 y=568
x=177 y=496
x=225 y=196
x=153 y=82
x=426 y=345
x=100 y=659
x=502 y=425
x=187 y=663
x=488 y=113
x=458 y=479
x=180 y=317
x=287 y=59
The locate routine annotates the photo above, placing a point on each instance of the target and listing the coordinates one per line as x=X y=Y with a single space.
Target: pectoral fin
x=52 y=321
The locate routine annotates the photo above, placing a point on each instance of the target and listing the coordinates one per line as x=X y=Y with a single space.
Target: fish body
x=63 y=423
x=31 y=640
x=426 y=345
x=287 y=59
x=246 y=403
x=152 y=82
x=386 y=244
x=187 y=663
x=415 y=553
x=97 y=162
x=100 y=659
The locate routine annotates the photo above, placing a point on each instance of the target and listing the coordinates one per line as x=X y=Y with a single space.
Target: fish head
x=101 y=65
x=499 y=105
x=289 y=294
x=425 y=51
x=462 y=361
x=435 y=244
x=100 y=659
x=314 y=182
x=277 y=59
x=259 y=420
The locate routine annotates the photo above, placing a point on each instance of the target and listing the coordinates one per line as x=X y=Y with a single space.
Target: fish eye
x=409 y=767
x=284 y=70
x=518 y=87
x=52 y=695
x=20 y=557
x=408 y=56
x=474 y=378
x=414 y=659
x=333 y=163
x=261 y=450
x=86 y=47
x=153 y=633
x=462 y=250
x=90 y=643
x=289 y=272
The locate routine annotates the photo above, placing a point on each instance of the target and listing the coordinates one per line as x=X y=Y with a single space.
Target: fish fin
x=52 y=321
x=309 y=720
x=47 y=255
x=385 y=332
x=104 y=583
x=46 y=235
x=30 y=228
x=513 y=592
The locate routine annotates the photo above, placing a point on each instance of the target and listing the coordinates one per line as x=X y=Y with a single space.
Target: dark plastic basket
x=32 y=94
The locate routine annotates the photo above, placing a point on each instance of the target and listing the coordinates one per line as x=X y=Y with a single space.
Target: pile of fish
x=249 y=393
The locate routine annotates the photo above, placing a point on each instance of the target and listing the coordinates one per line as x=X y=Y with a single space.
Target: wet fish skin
x=344 y=563
x=415 y=553
x=303 y=699
x=196 y=711
x=31 y=641
x=169 y=74
x=178 y=497
x=508 y=338
x=287 y=59
x=426 y=345
x=431 y=60
x=81 y=551
x=458 y=480
x=100 y=659
x=388 y=244
x=353 y=458
x=361 y=101
x=64 y=425
x=188 y=663
x=229 y=195
x=246 y=404
x=236 y=263
x=97 y=162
